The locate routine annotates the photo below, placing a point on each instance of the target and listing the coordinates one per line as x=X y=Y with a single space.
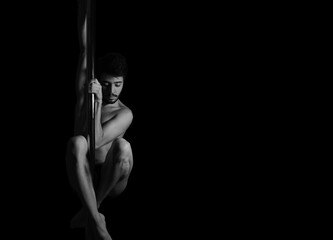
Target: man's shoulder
x=126 y=112
x=124 y=109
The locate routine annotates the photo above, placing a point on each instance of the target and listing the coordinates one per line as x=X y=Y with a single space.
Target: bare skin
x=113 y=154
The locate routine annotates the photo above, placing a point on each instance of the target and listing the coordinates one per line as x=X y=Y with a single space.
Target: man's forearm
x=98 y=124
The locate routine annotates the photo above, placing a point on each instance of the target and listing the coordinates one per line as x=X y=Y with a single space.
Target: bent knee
x=122 y=145
x=77 y=145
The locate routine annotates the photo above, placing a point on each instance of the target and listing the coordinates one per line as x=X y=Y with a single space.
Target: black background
x=192 y=86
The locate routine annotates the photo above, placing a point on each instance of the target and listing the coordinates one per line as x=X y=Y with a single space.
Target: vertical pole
x=91 y=75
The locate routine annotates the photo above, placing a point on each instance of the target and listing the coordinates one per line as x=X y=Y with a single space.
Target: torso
x=108 y=112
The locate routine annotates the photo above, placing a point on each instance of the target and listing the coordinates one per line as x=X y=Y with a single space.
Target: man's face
x=111 y=88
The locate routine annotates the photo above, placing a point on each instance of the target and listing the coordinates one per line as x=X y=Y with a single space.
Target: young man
x=113 y=154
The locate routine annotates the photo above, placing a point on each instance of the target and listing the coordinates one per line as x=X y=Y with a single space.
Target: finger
x=97 y=82
x=96 y=85
x=94 y=90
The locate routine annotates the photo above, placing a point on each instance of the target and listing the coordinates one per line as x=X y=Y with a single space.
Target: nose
x=113 y=90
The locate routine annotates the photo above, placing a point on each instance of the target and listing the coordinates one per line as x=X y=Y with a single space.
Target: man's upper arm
x=116 y=126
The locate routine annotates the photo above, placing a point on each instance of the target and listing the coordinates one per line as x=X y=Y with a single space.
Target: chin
x=112 y=101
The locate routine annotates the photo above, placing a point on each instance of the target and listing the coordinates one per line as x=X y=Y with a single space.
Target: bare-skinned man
x=113 y=154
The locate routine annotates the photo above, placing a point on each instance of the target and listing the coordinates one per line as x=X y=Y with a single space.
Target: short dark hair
x=113 y=64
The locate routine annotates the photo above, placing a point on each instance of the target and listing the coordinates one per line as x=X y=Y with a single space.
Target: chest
x=108 y=114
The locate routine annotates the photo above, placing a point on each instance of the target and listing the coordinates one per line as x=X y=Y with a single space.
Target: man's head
x=111 y=71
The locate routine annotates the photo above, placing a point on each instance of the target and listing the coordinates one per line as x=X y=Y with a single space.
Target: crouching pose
x=113 y=154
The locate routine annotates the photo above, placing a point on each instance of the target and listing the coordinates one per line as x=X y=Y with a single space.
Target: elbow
x=98 y=146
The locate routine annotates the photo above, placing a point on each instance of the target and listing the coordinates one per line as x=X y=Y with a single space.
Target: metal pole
x=91 y=75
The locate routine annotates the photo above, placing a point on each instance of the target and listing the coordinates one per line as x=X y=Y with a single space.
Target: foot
x=96 y=229
x=80 y=219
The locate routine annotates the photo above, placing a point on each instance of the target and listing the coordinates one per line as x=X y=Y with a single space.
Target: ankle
x=94 y=216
